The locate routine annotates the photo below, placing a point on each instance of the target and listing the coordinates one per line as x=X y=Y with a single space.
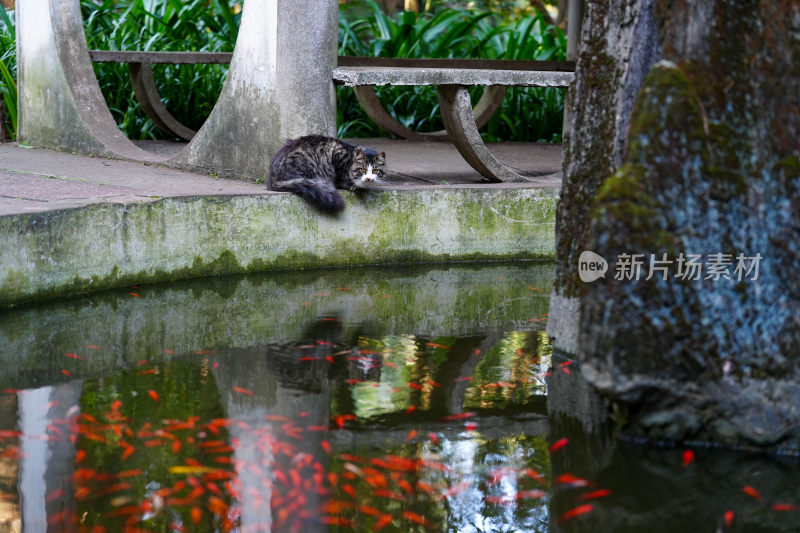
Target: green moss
x=789 y=166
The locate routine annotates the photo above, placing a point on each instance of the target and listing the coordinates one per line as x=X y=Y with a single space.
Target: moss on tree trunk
x=705 y=163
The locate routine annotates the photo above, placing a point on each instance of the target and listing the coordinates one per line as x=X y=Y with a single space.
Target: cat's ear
x=359 y=154
x=382 y=156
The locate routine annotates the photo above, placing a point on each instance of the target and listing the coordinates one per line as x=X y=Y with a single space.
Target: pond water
x=341 y=400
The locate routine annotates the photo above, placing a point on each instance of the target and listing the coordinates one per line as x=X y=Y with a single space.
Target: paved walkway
x=35 y=180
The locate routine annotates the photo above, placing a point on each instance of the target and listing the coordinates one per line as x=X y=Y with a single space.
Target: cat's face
x=367 y=169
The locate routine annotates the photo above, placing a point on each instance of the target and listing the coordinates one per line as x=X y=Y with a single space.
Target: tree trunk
x=683 y=140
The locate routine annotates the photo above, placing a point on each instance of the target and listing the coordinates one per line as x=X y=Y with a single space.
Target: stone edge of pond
x=72 y=251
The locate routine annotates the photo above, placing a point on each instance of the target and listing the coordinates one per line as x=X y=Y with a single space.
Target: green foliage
x=188 y=91
x=8 y=72
x=527 y=114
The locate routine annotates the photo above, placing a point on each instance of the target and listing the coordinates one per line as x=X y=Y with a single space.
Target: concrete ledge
x=355 y=76
x=70 y=251
x=71 y=224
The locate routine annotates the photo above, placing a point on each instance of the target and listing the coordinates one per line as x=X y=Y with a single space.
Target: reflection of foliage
x=511 y=372
x=412 y=374
x=147 y=441
x=445 y=485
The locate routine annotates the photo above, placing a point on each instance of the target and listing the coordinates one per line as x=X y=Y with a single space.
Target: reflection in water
x=334 y=401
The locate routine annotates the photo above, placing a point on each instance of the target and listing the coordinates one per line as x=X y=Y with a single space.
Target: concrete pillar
x=279 y=86
x=574 y=24
x=60 y=103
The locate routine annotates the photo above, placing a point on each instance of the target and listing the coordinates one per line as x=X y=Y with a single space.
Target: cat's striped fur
x=315 y=166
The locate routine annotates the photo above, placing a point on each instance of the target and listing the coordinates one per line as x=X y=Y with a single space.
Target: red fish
x=727 y=518
x=531 y=473
x=196 y=514
x=405 y=486
x=532 y=493
x=382 y=522
x=411 y=516
x=66 y=372
x=411 y=410
x=557 y=445
x=577 y=511
x=386 y=493
x=154 y=395
x=130 y=473
x=128 y=450
x=569 y=479
x=57 y=494
x=784 y=507
x=73 y=356
x=242 y=390
x=750 y=491
x=336 y=521
x=465 y=378
x=688 y=457
x=134 y=295
x=457 y=416
x=349 y=490
x=600 y=493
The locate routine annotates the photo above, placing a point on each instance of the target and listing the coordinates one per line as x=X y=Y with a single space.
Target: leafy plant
x=190 y=91
x=8 y=73
x=527 y=114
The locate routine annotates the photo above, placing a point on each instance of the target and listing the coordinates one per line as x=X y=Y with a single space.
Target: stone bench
x=452 y=77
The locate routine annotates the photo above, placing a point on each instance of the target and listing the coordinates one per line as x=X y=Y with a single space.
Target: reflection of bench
x=452 y=77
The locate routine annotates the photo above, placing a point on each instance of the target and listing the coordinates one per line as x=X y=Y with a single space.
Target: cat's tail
x=319 y=193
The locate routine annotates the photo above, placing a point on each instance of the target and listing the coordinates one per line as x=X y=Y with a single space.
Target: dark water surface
x=365 y=400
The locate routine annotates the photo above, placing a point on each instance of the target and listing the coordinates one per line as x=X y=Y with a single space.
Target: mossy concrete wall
x=193 y=318
x=72 y=251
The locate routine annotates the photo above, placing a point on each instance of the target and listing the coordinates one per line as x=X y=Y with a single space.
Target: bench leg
x=146 y=93
x=459 y=120
x=486 y=107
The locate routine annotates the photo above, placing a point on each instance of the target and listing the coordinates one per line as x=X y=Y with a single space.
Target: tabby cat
x=314 y=166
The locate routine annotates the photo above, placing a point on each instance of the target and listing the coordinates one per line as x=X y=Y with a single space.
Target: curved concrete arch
x=484 y=110
x=60 y=102
x=279 y=86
